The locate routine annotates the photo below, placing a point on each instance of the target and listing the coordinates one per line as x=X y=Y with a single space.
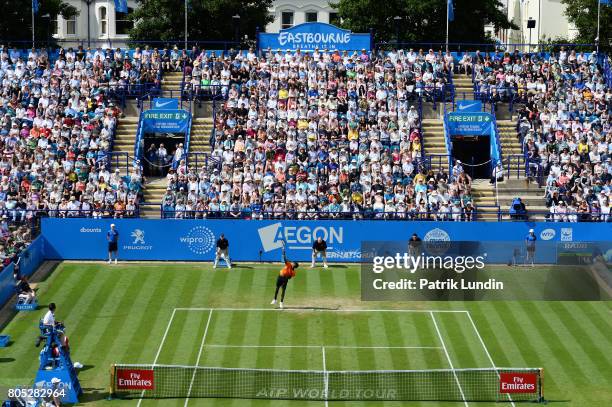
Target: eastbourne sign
x=309 y=36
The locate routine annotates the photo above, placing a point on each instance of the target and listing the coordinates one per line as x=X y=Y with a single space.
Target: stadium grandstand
x=130 y=175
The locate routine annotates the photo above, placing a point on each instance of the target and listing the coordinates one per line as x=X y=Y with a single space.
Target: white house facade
x=97 y=24
x=288 y=13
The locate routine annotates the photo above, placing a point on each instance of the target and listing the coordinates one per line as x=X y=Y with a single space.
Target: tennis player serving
x=283 y=278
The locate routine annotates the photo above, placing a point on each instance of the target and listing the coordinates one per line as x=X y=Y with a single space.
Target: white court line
x=318 y=346
x=322 y=310
x=448 y=358
x=161 y=345
x=325 y=377
x=487 y=352
x=199 y=357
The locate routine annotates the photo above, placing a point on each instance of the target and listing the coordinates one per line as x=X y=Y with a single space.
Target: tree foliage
x=423 y=21
x=209 y=20
x=16 y=20
x=583 y=14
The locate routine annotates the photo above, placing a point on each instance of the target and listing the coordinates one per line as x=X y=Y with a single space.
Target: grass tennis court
x=180 y=314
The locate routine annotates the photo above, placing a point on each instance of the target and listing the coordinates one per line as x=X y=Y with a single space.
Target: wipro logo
x=199 y=239
x=298 y=237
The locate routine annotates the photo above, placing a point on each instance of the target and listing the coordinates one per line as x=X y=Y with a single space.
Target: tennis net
x=171 y=381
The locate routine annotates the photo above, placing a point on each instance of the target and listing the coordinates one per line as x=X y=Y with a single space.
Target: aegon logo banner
x=298 y=237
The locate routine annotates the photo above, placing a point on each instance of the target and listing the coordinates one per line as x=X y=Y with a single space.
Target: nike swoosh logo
x=464 y=107
x=162 y=104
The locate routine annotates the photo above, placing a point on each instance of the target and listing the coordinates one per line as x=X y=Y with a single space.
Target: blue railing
x=116 y=158
x=449 y=145
x=200 y=160
x=420 y=110
x=451 y=85
x=507 y=95
x=435 y=161
x=139 y=140
x=169 y=212
x=478 y=214
x=497 y=140
x=459 y=48
x=188 y=139
x=204 y=92
x=607 y=70
x=516 y=164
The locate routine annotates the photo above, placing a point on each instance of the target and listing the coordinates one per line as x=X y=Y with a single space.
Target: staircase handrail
x=449 y=146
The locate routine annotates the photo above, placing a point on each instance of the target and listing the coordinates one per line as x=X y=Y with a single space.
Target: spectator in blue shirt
x=530 y=243
x=112 y=236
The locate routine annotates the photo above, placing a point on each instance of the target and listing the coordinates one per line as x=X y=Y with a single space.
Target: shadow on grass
x=85 y=367
x=7 y=360
x=91 y=395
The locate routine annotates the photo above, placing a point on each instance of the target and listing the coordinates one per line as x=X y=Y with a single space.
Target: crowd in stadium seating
x=569 y=140
x=57 y=121
x=564 y=126
x=309 y=135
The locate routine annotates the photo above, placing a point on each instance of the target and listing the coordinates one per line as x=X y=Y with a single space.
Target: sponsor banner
x=470 y=124
x=165 y=103
x=7 y=284
x=32 y=257
x=518 y=383
x=468 y=106
x=65 y=389
x=250 y=240
x=309 y=36
x=165 y=121
x=135 y=379
x=30 y=260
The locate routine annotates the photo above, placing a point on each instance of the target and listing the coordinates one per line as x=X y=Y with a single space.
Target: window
x=71 y=28
x=334 y=19
x=54 y=26
x=123 y=24
x=286 y=19
x=103 y=21
x=311 y=17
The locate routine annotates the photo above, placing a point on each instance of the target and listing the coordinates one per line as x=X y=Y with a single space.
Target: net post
x=111 y=388
x=541 y=380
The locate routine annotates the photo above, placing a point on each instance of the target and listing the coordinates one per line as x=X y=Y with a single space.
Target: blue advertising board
x=470 y=124
x=194 y=240
x=7 y=284
x=308 y=36
x=31 y=258
x=468 y=106
x=165 y=103
x=165 y=121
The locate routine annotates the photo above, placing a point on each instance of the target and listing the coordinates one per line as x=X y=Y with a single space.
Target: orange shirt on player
x=288 y=270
